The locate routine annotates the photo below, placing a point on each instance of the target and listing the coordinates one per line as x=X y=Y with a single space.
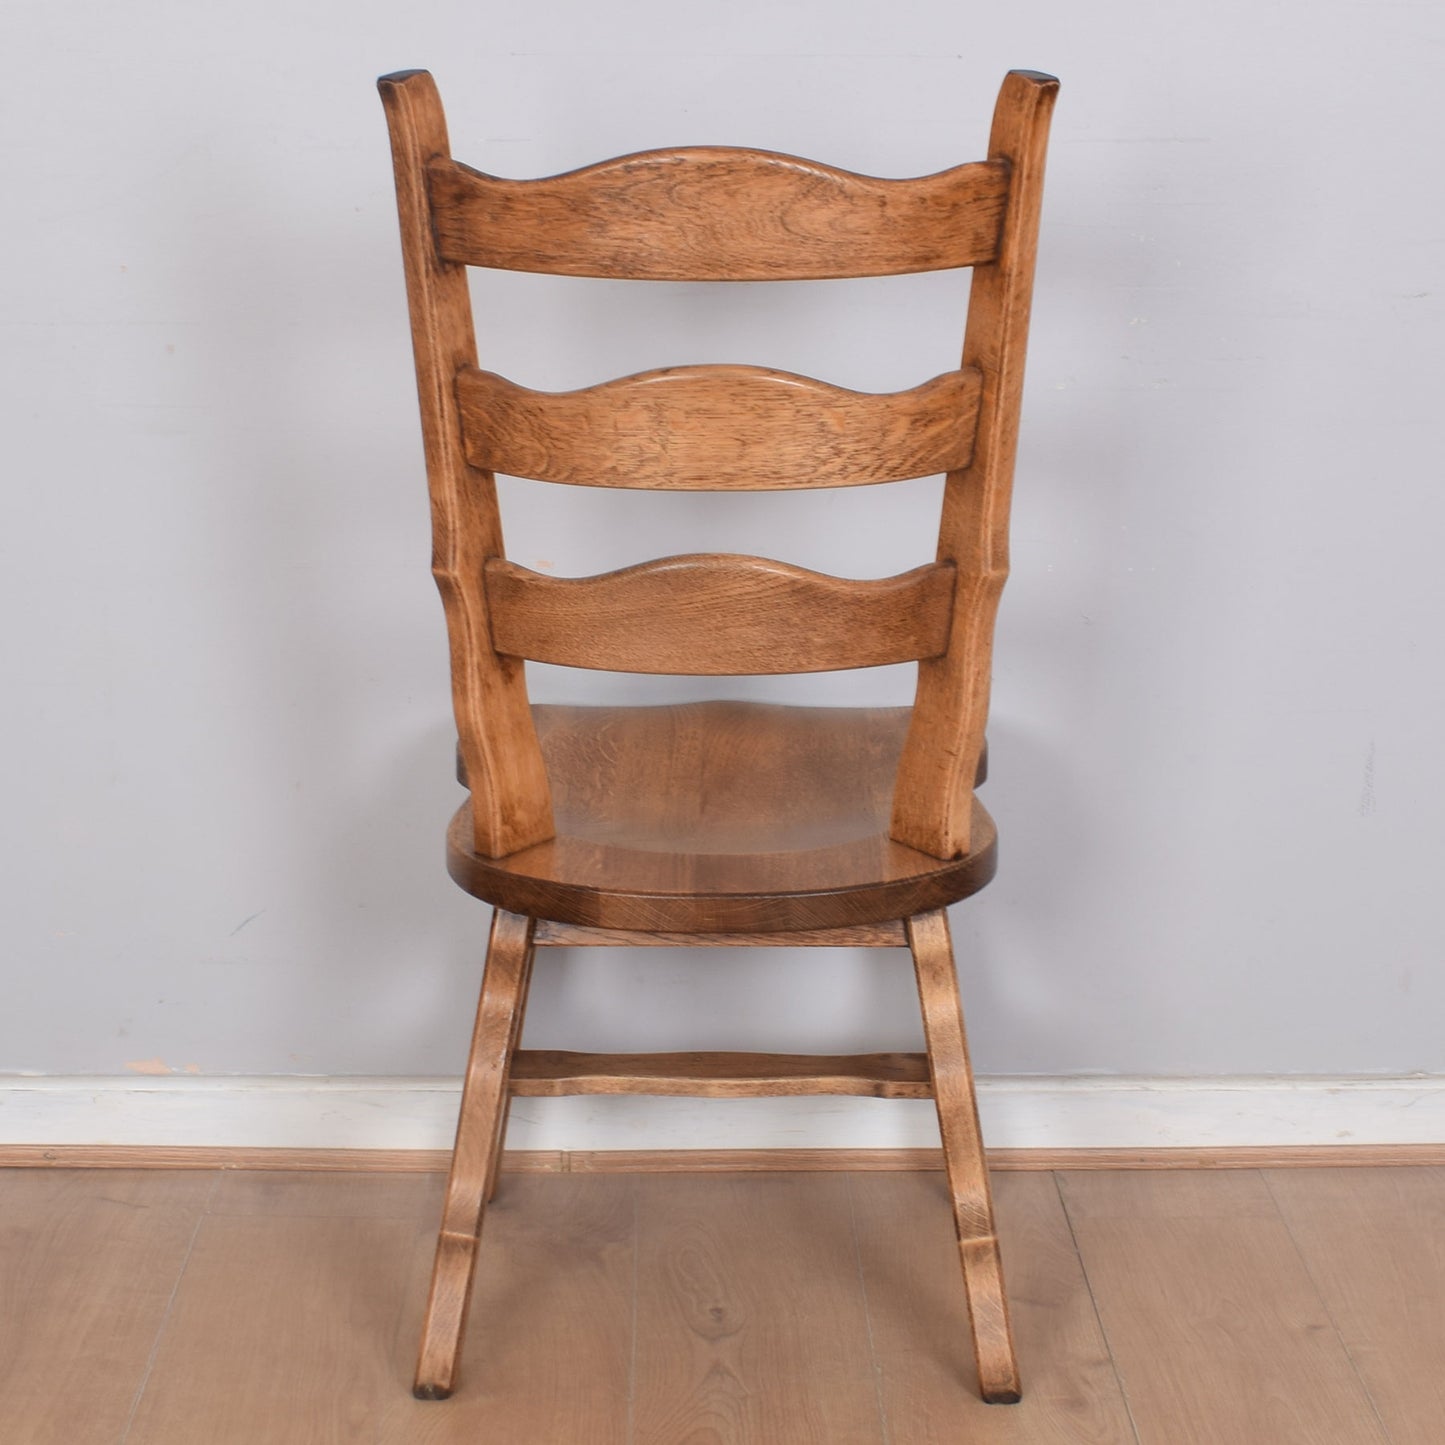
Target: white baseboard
x=1018 y=1113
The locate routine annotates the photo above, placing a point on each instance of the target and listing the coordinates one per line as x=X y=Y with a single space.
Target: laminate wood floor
x=1188 y=1307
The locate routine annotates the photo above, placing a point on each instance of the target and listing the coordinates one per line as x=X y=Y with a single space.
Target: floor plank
x=751 y=1327
x=919 y=1319
x=284 y=1326
x=301 y=1194
x=1216 y=1329
x=1374 y=1241
x=298 y=1317
x=547 y=1356
x=88 y=1262
x=744 y=1309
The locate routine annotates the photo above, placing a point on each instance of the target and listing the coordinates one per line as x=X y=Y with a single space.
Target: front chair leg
x=963 y=1156
x=484 y=1102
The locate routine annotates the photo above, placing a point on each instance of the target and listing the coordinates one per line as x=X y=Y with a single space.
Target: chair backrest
x=719 y=214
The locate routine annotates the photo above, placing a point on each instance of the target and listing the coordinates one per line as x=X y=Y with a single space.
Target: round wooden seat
x=721 y=817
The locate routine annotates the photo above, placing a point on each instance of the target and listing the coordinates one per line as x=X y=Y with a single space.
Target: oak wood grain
x=548 y=1353
x=932 y=808
x=750 y=1315
x=718 y=428
x=1374 y=1245
x=550 y=1073
x=296 y=1323
x=284 y=1325
x=544 y=927
x=294 y=1318
x=717 y=213
x=355 y=1193
x=504 y=1108
x=479 y=1141
x=963 y=1157
x=721 y=817
x=858 y=935
x=714 y=614
x=917 y=1317
x=1216 y=1328
x=87 y=1267
x=510 y=802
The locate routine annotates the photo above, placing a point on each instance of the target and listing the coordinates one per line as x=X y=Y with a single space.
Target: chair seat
x=720 y=817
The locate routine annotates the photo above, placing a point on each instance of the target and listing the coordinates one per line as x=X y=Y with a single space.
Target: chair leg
x=963 y=1156
x=484 y=1100
x=519 y=1014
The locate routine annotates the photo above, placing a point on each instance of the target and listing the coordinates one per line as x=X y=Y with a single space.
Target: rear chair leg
x=479 y=1138
x=963 y=1156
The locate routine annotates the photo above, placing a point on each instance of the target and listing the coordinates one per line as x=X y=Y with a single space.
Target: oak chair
x=719 y=823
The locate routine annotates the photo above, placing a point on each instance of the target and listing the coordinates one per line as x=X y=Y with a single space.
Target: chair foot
x=479 y=1136
x=998 y=1375
x=446 y=1316
x=963 y=1158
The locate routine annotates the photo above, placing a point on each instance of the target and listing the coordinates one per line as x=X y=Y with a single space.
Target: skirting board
x=1034 y=1114
x=710 y=1161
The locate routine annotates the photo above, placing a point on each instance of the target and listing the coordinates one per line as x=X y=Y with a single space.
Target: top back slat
x=710 y=213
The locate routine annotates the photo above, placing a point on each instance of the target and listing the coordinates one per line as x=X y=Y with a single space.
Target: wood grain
x=1216 y=1329
x=963 y=1157
x=717 y=213
x=859 y=935
x=87 y=1267
x=932 y=807
x=749 y=1161
x=1374 y=1244
x=284 y=1325
x=552 y=1073
x=548 y=1355
x=355 y=1193
x=510 y=801
x=750 y=1316
x=558 y=1161
x=714 y=614
x=863 y=932
x=479 y=1140
x=718 y=428
x=721 y=817
x=294 y=1317
x=918 y=1317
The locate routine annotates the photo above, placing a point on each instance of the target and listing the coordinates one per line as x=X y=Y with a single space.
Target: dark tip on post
x=430 y=1392
x=1004 y=1397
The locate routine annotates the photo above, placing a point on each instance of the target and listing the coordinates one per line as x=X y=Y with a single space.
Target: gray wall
x=1216 y=737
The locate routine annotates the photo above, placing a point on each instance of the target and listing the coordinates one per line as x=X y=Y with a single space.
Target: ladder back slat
x=718 y=428
x=717 y=213
x=715 y=614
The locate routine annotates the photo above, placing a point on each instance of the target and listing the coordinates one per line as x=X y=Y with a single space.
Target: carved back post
x=932 y=797
x=511 y=803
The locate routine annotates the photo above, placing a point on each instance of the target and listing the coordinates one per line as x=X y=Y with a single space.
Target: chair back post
x=933 y=796
x=511 y=803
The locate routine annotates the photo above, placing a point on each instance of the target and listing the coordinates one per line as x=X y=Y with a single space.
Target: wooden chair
x=720 y=822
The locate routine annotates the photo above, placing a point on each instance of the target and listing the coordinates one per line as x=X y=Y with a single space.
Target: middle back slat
x=718 y=428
